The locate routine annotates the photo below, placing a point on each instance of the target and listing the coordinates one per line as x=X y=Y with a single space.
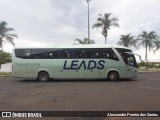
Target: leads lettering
x=101 y=64
x=76 y=64
x=92 y=64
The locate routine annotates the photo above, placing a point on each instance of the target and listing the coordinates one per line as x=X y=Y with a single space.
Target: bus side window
x=50 y=54
x=34 y=52
x=105 y=54
x=81 y=53
x=53 y=54
x=44 y=54
x=59 y=53
x=95 y=53
x=109 y=54
x=40 y=54
x=66 y=54
x=88 y=53
x=27 y=53
x=19 y=53
x=78 y=54
x=84 y=54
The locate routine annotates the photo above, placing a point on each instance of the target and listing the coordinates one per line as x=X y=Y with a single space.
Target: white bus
x=110 y=62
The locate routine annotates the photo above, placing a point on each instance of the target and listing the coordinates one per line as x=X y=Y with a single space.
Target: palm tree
x=85 y=41
x=127 y=40
x=147 y=40
x=156 y=46
x=105 y=22
x=5 y=34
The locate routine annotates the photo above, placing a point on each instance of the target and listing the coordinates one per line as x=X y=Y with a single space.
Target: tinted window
x=59 y=53
x=129 y=59
x=27 y=53
x=19 y=53
x=52 y=53
x=40 y=54
x=122 y=51
x=23 y=53
x=76 y=53
x=109 y=54
x=123 y=54
x=33 y=53
x=95 y=53
x=84 y=53
x=66 y=54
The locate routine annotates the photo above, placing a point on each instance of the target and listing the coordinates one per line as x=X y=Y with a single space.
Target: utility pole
x=88 y=20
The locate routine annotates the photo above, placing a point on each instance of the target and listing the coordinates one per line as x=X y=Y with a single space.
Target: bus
x=110 y=62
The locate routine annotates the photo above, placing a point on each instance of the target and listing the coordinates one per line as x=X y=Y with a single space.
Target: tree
x=147 y=40
x=105 y=22
x=156 y=46
x=85 y=41
x=4 y=57
x=5 y=34
x=127 y=40
x=141 y=64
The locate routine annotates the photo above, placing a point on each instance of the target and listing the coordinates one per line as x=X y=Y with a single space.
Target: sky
x=60 y=22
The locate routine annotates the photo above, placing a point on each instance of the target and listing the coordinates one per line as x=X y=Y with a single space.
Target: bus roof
x=76 y=46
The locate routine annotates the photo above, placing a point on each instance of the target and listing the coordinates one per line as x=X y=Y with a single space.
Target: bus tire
x=43 y=76
x=113 y=76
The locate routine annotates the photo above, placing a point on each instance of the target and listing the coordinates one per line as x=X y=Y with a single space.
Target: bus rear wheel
x=113 y=76
x=43 y=76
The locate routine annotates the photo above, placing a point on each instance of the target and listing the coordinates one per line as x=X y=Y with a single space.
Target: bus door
x=131 y=66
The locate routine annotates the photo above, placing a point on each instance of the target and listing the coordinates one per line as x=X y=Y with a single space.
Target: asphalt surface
x=140 y=94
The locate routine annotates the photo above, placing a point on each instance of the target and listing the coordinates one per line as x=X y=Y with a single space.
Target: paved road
x=140 y=94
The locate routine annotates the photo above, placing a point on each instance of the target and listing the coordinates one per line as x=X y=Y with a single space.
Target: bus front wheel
x=43 y=76
x=113 y=76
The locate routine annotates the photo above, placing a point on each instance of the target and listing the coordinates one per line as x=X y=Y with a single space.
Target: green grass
x=5 y=73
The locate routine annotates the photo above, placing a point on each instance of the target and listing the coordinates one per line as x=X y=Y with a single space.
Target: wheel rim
x=112 y=76
x=43 y=77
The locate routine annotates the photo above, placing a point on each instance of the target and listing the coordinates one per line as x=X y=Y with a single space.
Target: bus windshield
x=128 y=58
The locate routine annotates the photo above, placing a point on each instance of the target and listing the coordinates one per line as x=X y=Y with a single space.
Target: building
x=6 y=67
